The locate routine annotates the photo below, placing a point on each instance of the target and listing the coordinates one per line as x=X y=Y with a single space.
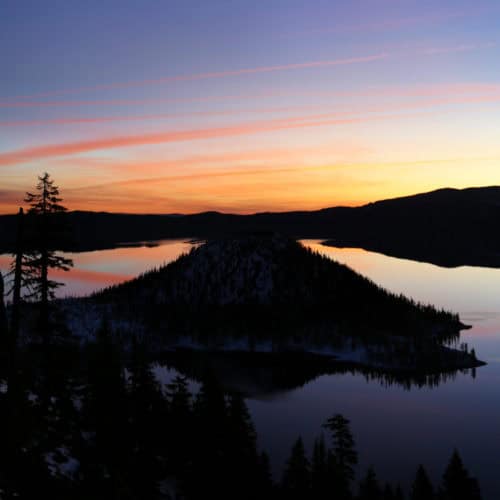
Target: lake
x=395 y=428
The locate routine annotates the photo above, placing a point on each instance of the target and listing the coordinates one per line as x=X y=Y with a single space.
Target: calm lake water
x=395 y=428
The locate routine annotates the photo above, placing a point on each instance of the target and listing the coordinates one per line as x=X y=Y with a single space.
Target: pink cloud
x=441 y=95
x=415 y=90
x=54 y=150
x=104 y=119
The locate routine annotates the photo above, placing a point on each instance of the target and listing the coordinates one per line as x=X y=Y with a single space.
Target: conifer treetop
x=46 y=199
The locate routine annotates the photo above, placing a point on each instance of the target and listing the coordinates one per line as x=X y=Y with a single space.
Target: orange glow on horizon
x=278 y=109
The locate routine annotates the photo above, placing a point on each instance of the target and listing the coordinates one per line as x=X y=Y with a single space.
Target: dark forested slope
x=272 y=280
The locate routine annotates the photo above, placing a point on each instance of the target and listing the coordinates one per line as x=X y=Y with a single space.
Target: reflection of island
x=268 y=375
x=268 y=293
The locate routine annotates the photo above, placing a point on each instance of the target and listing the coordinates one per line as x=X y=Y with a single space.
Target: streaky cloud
x=392 y=90
x=434 y=98
x=135 y=102
x=54 y=150
x=211 y=75
x=104 y=119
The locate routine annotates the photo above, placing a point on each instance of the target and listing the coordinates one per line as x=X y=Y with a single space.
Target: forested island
x=268 y=293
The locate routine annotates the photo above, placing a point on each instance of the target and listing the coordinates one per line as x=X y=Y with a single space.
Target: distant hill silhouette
x=448 y=227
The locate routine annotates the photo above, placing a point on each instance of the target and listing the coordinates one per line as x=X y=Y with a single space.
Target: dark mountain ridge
x=448 y=227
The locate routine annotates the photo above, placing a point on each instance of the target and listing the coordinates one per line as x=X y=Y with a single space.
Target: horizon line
x=215 y=211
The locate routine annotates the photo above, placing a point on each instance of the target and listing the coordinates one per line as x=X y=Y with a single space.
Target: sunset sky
x=164 y=106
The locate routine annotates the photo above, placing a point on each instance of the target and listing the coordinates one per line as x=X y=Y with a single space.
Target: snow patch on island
x=61 y=464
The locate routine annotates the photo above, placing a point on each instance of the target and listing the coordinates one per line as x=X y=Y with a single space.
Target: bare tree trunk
x=16 y=292
x=44 y=275
x=4 y=331
x=44 y=303
x=12 y=335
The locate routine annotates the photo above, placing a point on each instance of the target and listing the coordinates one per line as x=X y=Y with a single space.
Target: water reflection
x=101 y=268
x=270 y=376
x=398 y=421
x=473 y=292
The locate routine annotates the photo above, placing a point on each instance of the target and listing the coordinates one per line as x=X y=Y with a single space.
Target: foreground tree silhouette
x=178 y=436
x=17 y=273
x=146 y=416
x=343 y=456
x=390 y=493
x=398 y=493
x=422 y=487
x=46 y=232
x=106 y=416
x=320 y=474
x=243 y=463
x=457 y=484
x=297 y=475
x=369 y=487
x=265 y=482
x=210 y=442
x=108 y=431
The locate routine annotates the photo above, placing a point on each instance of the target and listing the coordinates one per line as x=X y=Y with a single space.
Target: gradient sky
x=244 y=106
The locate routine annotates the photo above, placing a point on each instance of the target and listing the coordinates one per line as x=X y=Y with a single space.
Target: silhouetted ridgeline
x=448 y=227
x=270 y=294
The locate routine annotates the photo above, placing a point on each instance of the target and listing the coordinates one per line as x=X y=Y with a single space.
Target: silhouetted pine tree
x=40 y=256
x=343 y=456
x=177 y=438
x=20 y=457
x=210 y=445
x=17 y=277
x=243 y=464
x=369 y=487
x=59 y=435
x=296 y=482
x=266 y=487
x=321 y=479
x=107 y=454
x=146 y=410
x=422 y=488
x=240 y=426
x=398 y=493
x=388 y=493
x=457 y=484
